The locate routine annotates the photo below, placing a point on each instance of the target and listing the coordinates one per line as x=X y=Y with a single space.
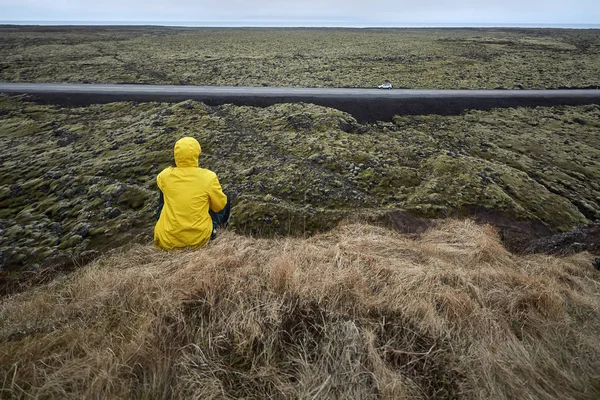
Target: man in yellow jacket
x=194 y=203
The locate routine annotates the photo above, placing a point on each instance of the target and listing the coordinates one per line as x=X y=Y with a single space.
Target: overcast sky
x=309 y=12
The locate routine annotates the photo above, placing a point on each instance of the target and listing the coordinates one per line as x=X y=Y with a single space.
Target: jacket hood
x=187 y=151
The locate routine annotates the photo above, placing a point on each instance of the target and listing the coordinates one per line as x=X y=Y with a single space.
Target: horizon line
x=302 y=24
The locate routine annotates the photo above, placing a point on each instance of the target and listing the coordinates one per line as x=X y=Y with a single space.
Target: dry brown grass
x=357 y=313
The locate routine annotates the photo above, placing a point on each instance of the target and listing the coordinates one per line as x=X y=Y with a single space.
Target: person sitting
x=192 y=203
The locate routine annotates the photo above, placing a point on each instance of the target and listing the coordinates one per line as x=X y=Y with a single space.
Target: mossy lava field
x=474 y=58
x=79 y=181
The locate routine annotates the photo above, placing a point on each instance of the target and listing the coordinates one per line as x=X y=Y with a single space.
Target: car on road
x=385 y=86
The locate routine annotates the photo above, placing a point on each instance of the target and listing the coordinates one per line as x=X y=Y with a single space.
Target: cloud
x=384 y=11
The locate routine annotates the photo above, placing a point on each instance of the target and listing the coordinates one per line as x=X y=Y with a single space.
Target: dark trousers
x=220 y=219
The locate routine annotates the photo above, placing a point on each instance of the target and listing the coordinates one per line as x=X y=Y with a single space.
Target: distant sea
x=291 y=24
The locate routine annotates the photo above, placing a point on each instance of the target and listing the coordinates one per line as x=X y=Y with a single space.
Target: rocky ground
x=79 y=181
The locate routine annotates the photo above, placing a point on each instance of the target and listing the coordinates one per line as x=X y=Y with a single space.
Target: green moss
x=413 y=58
x=270 y=217
x=134 y=197
x=70 y=242
x=289 y=168
x=19 y=128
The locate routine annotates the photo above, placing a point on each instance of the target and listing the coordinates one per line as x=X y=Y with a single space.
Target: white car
x=385 y=86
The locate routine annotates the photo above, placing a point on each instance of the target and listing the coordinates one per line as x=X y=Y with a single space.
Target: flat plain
x=410 y=58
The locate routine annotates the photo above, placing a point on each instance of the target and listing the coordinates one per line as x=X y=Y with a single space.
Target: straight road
x=364 y=104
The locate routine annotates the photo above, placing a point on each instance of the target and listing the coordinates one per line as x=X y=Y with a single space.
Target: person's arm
x=161 y=197
x=161 y=203
x=216 y=197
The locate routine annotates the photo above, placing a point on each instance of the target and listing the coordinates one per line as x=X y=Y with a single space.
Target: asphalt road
x=364 y=104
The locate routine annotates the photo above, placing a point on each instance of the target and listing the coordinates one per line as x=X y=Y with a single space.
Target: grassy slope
x=412 y=58
x=359 y=312
x=80 y=180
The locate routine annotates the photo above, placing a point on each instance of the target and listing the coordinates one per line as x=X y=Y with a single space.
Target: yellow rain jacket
x=189 y=191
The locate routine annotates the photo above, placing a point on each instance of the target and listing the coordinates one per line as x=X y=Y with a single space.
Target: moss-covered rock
x=451 y=183
x=289 y=169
